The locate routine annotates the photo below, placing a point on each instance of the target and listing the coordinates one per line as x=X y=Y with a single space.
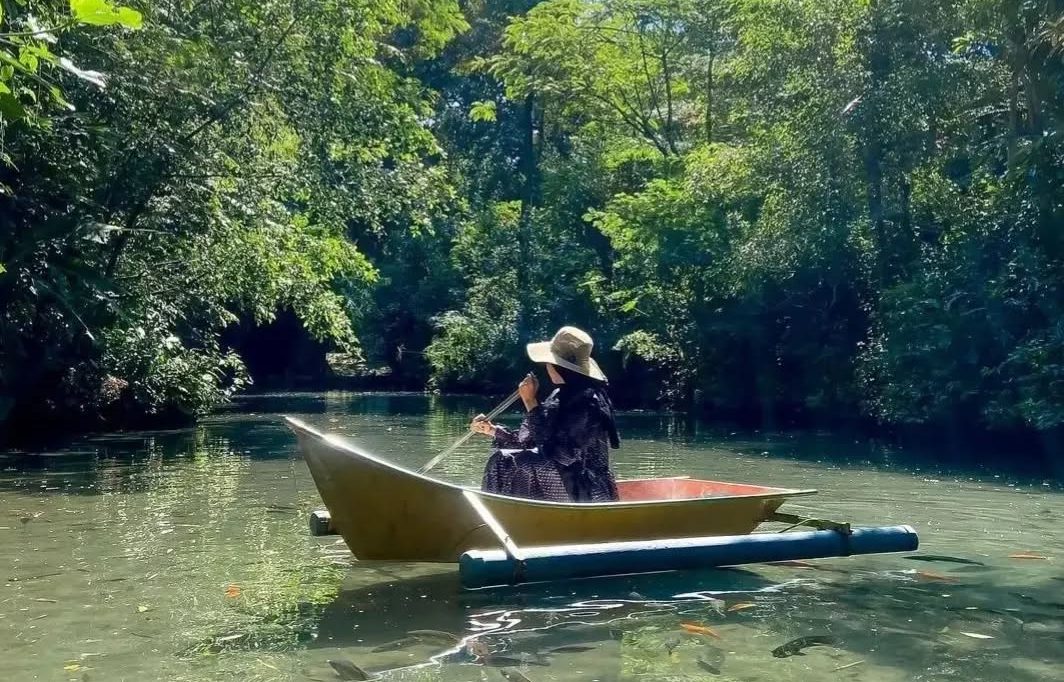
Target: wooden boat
x=386 y=512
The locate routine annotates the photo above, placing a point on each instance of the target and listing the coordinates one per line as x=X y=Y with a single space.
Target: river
x=184 y=555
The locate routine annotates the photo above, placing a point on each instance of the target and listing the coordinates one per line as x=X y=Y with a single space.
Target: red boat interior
x=683 y=489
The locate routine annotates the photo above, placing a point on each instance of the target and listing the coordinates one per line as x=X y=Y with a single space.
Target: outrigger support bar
x=485 y=568
x=820 y=524
x=514 y=553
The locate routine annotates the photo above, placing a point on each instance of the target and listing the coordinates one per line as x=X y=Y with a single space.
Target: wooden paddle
x=458 y=443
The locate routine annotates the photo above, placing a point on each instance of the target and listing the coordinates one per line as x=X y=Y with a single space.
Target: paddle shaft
x=467 y=435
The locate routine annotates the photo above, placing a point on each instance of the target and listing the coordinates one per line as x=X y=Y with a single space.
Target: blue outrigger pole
x=512 y=565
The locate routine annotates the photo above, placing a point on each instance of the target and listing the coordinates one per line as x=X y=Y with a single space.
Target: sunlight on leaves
x=103 y=13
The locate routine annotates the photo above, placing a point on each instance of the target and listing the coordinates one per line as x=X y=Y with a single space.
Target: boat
x=386 y=512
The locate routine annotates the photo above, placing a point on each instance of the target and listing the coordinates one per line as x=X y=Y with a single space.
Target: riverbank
x=1028 y=455
x=952 y=442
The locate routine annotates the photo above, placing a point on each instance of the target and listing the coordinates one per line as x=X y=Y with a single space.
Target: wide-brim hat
x=570 y=348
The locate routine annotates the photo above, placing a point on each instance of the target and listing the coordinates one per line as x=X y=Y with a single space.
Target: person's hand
x=527 y=390
x=482 y=425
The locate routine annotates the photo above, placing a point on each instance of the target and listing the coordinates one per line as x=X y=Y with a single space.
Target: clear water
x=184 y=556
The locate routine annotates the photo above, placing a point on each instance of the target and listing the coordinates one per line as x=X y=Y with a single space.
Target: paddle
x=458 y=443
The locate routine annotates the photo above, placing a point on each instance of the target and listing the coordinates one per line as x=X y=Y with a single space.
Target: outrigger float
x=385 y=512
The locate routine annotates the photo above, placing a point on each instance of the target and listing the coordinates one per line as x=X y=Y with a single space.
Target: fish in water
x=1047 y=627
x=397 y=644
x=1036 y=600
x=932 y=575
x=707 y=666
x=806 y=564
x=945 y=559
x=741 y=606
x=435 y=634
x=346 y=670
x=510 y=661
x=696 y=629
x=570 y=649
x=513 y=675
x=795 y=646
x=792 y=564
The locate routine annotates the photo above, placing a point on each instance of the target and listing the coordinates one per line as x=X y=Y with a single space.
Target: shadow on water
x=967 y=622
x=967 y=618
x=388 y=610
x=985 y=460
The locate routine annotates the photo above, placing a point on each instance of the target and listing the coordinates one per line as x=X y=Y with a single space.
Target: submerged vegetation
x=848 y=208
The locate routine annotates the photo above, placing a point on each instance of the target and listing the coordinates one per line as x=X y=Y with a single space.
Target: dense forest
x=843 y=209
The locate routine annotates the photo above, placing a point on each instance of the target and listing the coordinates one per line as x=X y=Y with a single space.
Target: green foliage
x=483 y=112
x=474 y=343
x=103 y=13
x=841 y=208
x=221 y=163
x=29 y=79
x=837 y=208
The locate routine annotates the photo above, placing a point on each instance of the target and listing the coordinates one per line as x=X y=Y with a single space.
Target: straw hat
x=570 y=348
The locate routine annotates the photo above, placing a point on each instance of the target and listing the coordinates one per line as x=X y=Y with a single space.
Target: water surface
x=184 y=555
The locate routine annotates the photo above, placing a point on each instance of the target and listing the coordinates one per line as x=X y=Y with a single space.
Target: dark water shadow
x=1010 y=464
x=972 y=623
x=388 y=610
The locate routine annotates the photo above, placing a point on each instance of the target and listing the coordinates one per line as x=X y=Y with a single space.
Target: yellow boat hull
x=385 y=512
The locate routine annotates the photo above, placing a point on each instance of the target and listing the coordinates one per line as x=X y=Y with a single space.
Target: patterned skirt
x=525 y=473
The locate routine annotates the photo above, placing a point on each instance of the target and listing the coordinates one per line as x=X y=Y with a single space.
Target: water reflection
x=183 y=555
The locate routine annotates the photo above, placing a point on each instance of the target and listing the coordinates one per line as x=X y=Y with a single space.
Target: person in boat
x=561 y=450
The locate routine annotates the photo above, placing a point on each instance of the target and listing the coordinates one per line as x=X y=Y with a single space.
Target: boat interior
x=681 y=488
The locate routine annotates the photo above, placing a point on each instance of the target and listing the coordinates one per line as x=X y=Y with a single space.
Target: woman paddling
x=561 y=451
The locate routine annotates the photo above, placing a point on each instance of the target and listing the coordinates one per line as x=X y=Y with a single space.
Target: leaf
x=28 y=59
x=483 y=112
x=73 y=667
x=103 y=13
x=10 y=108
x=95 y=77
x=976 y=635
x=142 y=609
x=57 y=97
